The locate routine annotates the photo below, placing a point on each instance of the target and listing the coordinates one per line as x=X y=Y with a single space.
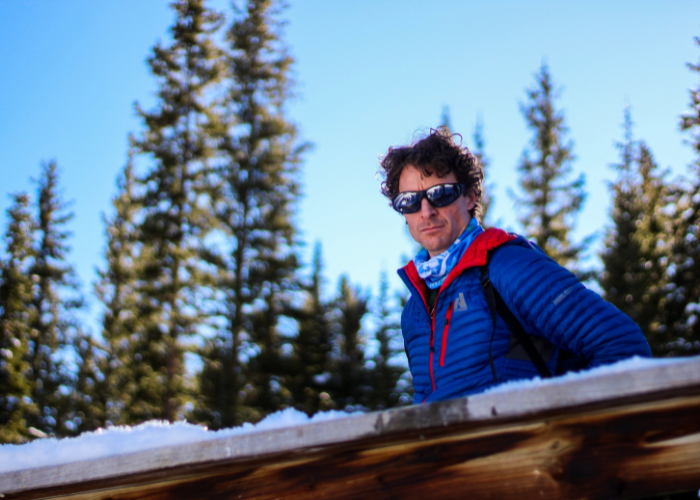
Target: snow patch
x=123 y=440
x=628 y=365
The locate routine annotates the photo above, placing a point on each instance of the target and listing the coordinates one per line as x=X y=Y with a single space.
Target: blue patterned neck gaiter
x=435 y=270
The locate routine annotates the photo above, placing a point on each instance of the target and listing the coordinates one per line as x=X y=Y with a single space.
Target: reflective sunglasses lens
x=443 y=194
x=407 y=203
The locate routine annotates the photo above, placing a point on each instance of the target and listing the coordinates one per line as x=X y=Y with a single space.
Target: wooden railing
x=615 y=435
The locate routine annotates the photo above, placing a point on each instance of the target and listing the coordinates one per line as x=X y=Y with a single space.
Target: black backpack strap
x=491 y=301
x=497 y=304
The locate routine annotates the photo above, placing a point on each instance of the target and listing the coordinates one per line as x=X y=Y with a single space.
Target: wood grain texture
x=641 y=437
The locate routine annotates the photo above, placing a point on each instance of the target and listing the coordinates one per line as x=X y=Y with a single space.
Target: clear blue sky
x=371 y=74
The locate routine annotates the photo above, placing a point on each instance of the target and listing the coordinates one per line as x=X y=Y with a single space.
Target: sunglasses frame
x=460 y=188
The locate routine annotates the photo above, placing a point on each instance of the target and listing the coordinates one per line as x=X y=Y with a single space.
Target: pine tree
x=351 y=389
x=684 y=299
x=690 y=121
x=445 y=121
x=16 y=314
x=405 y=383
x=311 y=368
x=260 y=189
x=636 y=246
x=56 y=298
x=653 y=234
x=384 y=372
x=620 y=257
x=180 y=138
x=117 y=290
x=89 y=399
x=551 y=200
x=480 y=154
x=219 y=384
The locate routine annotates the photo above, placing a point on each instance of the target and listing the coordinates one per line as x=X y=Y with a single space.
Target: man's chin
x=434 y=247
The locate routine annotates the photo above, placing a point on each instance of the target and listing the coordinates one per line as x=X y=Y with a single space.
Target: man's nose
x=426 y=209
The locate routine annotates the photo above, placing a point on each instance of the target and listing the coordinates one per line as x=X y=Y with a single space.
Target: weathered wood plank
x=617 y=436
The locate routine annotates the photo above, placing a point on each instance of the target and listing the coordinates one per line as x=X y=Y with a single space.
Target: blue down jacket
x=448 y=353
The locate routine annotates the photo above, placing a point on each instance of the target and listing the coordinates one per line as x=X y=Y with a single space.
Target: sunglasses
x=440 y=195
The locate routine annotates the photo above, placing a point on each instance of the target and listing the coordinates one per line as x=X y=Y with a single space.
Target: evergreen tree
x=684 y=298
x=636 y=246
x=445 y=121
x=351 y=379
x=219 y=386
x=480 y=154
x=117 y=290
x=255 y=209
x=180 y=138
x=551 y=200
x=384 y=372
x=478 y=151
x=89 y=399
x=690 y=121
x=16 y=314
x=405 y=383
x=55 y=300
x=311 y=367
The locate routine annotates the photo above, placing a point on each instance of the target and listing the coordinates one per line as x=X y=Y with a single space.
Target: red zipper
x=422 y=288
x=432 y=350
x=432 y=340
x=448 y=318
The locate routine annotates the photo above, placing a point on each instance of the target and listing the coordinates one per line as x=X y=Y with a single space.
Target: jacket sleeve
x=548 y=300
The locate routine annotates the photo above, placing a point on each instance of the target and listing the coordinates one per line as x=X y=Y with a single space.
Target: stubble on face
x=435 y=229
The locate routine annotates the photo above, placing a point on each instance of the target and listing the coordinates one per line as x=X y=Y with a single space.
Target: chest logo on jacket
x=460 y=303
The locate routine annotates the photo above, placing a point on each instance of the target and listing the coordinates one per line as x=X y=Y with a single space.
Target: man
x=453 y=347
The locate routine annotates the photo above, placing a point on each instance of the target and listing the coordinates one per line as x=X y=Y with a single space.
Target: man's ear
x=471 y=200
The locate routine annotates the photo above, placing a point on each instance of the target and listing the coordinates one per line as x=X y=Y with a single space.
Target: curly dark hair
x=438 y=153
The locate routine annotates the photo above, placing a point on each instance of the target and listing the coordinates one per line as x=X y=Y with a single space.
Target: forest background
x=291 y=332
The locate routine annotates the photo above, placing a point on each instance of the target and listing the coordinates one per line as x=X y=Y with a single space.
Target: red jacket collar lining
x=417 y=281
x=476 y=255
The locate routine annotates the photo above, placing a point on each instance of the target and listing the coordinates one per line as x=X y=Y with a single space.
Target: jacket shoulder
x=478 y=252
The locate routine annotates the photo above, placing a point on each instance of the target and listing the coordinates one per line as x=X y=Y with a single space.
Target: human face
x=435 y=229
